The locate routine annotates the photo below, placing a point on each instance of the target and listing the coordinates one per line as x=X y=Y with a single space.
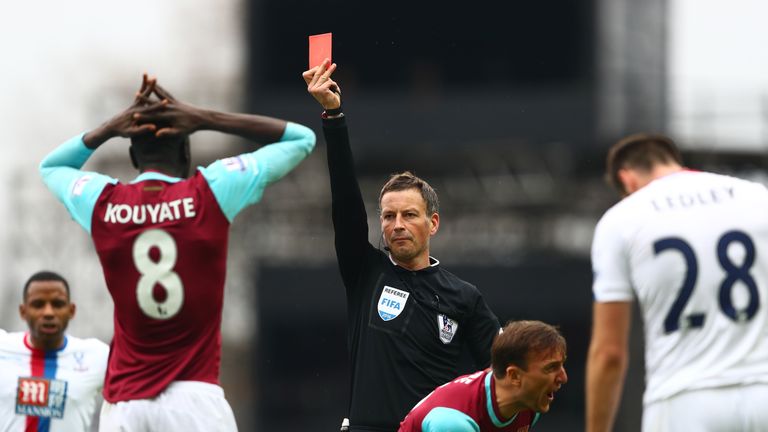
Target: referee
x=408 y=317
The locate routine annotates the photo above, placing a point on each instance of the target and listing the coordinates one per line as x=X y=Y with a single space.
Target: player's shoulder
x=448 y=419
x=6 y=336
x=195 y=181
x=210 y=176
x=229 y=167
x=698 y=179
x=701 y=185
x=753 y=187
x=12 y=341
x=620 y=215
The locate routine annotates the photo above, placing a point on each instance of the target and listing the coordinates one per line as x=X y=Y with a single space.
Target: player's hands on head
x=145 y=91
x=127 y=124
x=176 y=118
x=321 y=86
x=163 y=94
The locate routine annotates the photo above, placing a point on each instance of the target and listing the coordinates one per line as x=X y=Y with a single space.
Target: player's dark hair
x=164 y=153
x=46 y=276
x=406 y=180
x=641 y=152
x=519 y=339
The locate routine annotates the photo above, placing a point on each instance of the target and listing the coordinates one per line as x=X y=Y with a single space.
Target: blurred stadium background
x=507 y=108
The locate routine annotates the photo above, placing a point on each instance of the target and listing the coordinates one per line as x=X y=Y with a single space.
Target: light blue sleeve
x=77 y=190
x=441 y=419
x=239 y=181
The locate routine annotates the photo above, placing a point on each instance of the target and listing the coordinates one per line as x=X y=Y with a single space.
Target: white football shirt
x=50 y=391
x=692 y=247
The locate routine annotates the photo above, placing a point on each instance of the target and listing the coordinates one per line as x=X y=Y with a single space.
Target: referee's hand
x=321 y=86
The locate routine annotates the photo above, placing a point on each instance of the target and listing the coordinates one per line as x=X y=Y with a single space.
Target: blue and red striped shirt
x=50 y=391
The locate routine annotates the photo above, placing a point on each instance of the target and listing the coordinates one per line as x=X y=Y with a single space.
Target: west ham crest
x=391 y=302
x=447 y=328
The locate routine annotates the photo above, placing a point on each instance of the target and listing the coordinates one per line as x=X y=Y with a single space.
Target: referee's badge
x=391 y=302
x=447 y=328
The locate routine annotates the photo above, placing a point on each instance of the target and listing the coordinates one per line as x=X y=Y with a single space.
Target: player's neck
x=665 y=170
x=46 y=344
x=162 y=169
x=635 y=179
x=507 y=401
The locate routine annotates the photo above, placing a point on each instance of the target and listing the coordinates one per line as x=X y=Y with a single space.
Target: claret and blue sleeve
x=78 y=190
x=239 y=181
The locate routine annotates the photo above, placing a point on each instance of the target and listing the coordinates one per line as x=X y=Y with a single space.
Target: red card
x=319 y=49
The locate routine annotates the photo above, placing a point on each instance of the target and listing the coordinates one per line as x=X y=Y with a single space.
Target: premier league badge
x=447 y=328
x=237 y=163
x=391 y=302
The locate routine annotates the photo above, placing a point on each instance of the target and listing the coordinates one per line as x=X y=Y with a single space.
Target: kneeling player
x=527 y=368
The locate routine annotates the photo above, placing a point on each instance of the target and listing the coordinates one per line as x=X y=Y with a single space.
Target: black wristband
x=332 y=112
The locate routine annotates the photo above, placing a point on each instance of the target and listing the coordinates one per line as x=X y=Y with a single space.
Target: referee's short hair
x=641 y=152
x=519 y=339
x=406 y=180
x=44 y=275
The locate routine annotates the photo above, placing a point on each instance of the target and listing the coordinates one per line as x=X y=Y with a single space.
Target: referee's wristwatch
x=333 y=113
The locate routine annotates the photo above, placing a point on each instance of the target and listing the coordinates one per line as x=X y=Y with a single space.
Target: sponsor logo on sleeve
x=237 y=163
x=391 y=302
x=447 y=328
x=77 y=188
x=41 y=397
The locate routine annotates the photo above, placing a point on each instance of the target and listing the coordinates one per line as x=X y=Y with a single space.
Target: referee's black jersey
x=406 y=328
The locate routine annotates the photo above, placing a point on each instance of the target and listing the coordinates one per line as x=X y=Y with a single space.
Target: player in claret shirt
x=527 y=368
x=50 y=381
x=162 y=243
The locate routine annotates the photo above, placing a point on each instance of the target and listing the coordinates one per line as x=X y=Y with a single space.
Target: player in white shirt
x=692 y=248
x=49 y=381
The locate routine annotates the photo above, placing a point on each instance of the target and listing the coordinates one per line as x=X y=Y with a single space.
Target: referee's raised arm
x=408 y=319
x=350 y=220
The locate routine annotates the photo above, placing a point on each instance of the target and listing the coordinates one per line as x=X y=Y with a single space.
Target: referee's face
x=407 y=227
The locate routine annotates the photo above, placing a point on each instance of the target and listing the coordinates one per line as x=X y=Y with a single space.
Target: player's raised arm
x=179 y=118
x=293 y=142
x=60 y=169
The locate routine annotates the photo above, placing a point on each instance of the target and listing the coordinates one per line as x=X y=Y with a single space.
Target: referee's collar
x=433 y=263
